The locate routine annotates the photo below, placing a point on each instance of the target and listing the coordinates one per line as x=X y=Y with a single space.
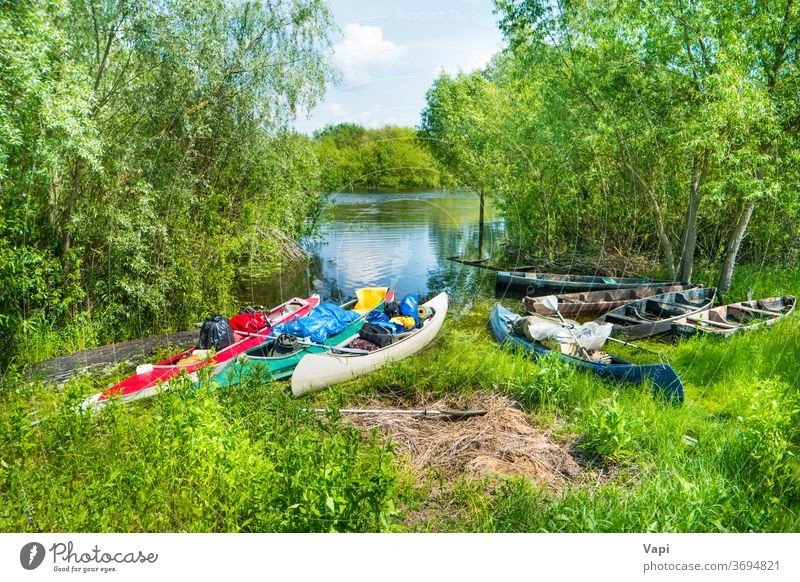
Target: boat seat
x=623 y=319
x=711 y=323
x=684 y=307
x=761 y=311
x=401 y=336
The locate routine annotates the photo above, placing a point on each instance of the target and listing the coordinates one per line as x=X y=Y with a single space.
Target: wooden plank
x=712 y=323
x=61 y=368
x=624 y=319
x=751 y=310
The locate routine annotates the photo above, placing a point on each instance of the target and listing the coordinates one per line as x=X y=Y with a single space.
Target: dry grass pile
x=503 y=442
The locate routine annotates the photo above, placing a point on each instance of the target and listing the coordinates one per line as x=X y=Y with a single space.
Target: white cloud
x=472 y=63
x=363 y=51
x=334 y=112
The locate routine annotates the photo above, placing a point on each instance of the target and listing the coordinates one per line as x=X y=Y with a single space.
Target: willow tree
x=697 y=87
x=461 y=124
x=166 y=155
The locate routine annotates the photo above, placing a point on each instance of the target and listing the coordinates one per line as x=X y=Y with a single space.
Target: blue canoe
x=665 y=381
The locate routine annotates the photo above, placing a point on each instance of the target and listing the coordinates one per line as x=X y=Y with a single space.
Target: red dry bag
x=249 y=322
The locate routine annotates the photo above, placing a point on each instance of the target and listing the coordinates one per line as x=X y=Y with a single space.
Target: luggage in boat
x=324 y=321
x=666 y=382
x=249 y=322
x=375 y=334
x=369 y=297
x=409 y=307
x=269 y=361
x=317 y=371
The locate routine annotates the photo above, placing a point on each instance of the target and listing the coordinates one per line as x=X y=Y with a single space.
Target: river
x=396 y=240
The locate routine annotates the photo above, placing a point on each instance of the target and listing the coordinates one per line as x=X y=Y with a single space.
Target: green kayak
x=269 y=361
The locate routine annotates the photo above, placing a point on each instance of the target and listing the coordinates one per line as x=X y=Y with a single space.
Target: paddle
x=308 y=342
x=551 y=302
x=619 y=341
x=446 y=413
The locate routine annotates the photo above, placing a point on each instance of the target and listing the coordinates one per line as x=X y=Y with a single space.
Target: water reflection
x=396 y=240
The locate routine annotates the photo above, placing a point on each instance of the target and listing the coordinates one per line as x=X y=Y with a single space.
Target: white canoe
x=318 y=371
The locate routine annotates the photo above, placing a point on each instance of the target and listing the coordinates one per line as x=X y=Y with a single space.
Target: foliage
x=769 y=438
x=355 y=159
x=144 y=155
x=189 y=463
x=548 y=386
x=252 y=459
x=637 y=128
x=608 y=431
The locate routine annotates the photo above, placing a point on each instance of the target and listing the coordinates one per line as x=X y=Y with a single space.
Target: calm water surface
x=396 y=240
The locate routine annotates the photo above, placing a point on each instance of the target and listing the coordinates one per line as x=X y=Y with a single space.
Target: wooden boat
x=597 y=302
x=153 y=378
x=551 y=283
x=729 y=319
x=665 y=381
x=266 y=362
x=654 y=315
x=318 y=371
x=484 y=264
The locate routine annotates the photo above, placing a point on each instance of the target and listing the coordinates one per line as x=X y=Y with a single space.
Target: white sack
x=591 y=336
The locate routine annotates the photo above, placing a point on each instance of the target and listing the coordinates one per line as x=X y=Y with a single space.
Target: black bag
x=284 y=344
x=380 y=336
x=391 y=309
x=216 y=332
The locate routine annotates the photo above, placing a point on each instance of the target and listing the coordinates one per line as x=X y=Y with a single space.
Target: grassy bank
x=252 y=460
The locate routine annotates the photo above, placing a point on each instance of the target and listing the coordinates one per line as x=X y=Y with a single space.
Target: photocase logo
x=31 y=555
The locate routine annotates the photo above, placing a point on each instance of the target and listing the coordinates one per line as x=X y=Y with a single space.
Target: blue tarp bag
x=377 y=317
x=290 y=327
x=324 y=321
x=409 y=306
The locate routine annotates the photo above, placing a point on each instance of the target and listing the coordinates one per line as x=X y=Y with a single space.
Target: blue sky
x=389 y=53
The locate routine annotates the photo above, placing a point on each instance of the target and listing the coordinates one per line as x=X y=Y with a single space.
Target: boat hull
x=551 y=283
x=597 y=302
x=727 y=320
x=156 y=378
x=318 y=371
x=666 y=382
x=654 y=315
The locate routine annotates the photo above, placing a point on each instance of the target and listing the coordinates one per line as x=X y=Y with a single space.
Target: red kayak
x=153 y=378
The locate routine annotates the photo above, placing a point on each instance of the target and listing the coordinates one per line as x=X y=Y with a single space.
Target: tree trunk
x=480 y=227
x=690 y=230
x=663 y=239
x=689 y=237
x=733 y=247
x=66 y=220
x=666 y=245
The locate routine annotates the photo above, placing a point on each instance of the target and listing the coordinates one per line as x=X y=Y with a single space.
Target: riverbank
x=600 y=457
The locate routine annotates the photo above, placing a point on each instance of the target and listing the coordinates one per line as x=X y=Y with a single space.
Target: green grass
x=250 y=459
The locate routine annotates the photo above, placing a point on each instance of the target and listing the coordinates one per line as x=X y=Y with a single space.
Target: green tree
x=389 y=158
x=461 y=121
x=148 y=153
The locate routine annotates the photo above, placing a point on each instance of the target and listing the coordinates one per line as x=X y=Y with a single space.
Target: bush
x=184 y=462
x=548 y=385
x=768 y=440
x=608 y=432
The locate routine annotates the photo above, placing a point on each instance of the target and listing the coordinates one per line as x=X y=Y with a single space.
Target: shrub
x=768 y=440
x=608 y=432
